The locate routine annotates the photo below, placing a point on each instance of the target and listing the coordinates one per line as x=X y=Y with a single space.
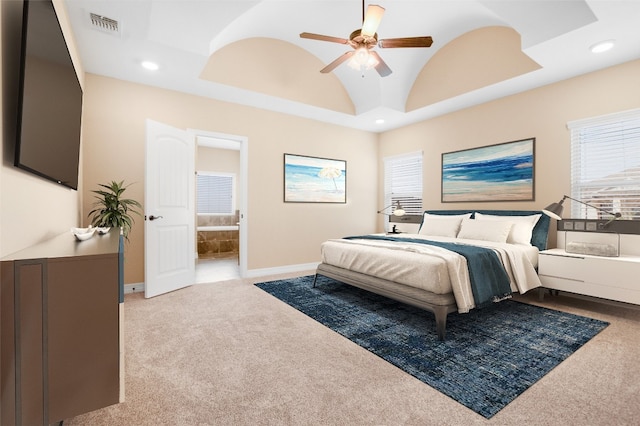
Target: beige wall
x=541 y=113
x=220 y=160
x=32 y=209
x=279 y=233
x=217 y=160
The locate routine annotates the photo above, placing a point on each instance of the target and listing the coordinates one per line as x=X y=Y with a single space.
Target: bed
x=457 y=261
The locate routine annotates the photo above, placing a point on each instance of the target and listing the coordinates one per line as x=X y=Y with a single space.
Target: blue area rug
x=490 y=355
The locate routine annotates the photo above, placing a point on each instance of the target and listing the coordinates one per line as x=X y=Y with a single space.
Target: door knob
x=152 y=217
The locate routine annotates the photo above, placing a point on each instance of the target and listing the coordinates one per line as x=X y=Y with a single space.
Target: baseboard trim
x=254 y=273
x=133 y=288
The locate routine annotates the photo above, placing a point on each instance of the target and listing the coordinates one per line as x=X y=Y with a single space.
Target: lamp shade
x=398 y=210
x=372 y=20
x=554 y=210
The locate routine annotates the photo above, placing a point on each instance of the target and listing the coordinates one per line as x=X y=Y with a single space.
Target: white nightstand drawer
x=614 y=272
x=569 y=267
x=561 y=283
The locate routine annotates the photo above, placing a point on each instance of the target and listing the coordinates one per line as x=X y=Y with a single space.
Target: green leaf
x=111 y=210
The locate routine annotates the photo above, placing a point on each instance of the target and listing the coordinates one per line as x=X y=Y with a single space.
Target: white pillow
x=522 y=226
x=441 y=225
x=494 y=230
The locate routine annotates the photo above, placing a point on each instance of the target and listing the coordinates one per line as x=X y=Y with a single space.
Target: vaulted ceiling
x=250 y=52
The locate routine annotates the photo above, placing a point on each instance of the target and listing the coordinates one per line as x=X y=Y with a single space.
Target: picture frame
x=314 y=179
x=500 y=172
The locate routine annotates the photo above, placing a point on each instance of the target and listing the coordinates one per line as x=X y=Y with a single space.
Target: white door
x=169 y=209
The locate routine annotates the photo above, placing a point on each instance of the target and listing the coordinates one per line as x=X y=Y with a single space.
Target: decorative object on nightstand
x=605 y=244
x=398 y=210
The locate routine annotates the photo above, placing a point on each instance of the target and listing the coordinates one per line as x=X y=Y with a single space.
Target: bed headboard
x=540 y=231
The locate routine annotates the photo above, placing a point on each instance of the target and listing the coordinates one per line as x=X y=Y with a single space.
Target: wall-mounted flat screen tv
x=50 y=99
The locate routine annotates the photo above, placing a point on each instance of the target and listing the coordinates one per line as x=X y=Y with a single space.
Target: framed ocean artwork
x=314 y=180
x=501 y=172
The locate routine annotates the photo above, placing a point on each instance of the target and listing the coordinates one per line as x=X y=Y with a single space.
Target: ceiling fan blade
x=372 y=20
x=337 y=62
x=406 y=42
x=324 y=38
x=382 y=68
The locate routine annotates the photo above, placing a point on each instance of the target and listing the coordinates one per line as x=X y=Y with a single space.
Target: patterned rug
x=490 y=355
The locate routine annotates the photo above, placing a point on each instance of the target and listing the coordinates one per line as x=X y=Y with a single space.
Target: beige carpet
x=230 y=354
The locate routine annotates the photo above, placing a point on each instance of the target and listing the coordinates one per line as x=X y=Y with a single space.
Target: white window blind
x=215 y=193
x=403 y=182
x=605 y=165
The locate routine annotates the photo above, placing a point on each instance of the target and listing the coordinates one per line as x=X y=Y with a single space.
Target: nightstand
x=614 y=278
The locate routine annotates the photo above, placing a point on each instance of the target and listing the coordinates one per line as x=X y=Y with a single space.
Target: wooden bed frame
x=440 y=304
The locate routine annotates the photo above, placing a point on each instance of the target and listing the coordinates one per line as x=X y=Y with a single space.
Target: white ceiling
x=180 y=35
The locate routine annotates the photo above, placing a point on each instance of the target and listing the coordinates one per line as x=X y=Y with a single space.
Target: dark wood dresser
x=61 y=309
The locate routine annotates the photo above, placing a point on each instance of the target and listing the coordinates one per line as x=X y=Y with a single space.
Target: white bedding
x=429 y=267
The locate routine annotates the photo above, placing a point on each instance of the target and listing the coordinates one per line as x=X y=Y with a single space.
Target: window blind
x=215 y=193
x=403 y=182
x=605 y=165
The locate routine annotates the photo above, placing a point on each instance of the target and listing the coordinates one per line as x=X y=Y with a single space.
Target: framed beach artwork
x=314 y=180
x=501 y=172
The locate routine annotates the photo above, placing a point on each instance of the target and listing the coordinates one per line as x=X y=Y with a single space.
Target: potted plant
x=112 y=210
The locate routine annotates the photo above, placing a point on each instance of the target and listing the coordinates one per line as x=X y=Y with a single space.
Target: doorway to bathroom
x=220 y=192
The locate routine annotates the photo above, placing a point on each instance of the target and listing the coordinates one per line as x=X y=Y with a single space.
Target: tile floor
x=214 y=270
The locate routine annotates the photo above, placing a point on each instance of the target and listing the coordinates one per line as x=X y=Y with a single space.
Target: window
x=216 y=193
x=605 y=165
x=403 y=182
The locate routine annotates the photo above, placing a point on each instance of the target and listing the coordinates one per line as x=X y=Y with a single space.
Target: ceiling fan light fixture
x=372 y=20
x=363 y=41
x=363 y=60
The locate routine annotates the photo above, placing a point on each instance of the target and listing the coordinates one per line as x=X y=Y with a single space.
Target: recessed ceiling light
x=602 y=46
x=380 y=121
x=152 y=66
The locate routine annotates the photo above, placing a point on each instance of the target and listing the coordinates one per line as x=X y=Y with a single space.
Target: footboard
x=440 y=304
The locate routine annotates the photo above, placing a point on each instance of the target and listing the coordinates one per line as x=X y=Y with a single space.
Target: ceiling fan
x=364 y=39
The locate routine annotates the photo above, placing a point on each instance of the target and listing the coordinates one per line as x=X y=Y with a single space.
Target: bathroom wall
x=221 y=243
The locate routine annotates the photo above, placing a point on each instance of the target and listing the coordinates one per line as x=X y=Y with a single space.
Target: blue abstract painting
x=314 y=180
x=502 y=172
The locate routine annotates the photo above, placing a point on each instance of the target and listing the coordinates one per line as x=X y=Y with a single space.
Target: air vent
x=104 y=24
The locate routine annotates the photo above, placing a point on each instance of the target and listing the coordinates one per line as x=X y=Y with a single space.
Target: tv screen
x=50 y=99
